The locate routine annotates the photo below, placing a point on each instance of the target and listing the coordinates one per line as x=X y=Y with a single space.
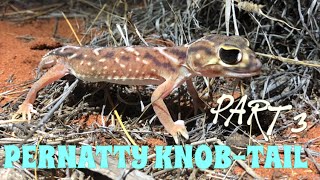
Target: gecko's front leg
x=161 y=110
x=53 y=74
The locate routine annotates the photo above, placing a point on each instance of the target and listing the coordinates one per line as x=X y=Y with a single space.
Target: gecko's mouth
x=243 y=74
x=254 y=69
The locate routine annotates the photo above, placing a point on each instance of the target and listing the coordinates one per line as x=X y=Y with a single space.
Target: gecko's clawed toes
x=179 y=128
x=25 y=110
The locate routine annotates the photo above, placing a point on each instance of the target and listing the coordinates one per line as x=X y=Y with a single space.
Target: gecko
x=167 y=67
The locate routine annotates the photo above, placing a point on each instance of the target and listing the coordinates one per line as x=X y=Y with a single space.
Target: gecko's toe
x=24 y=116
x=25 y=110
x=176 y=139
x=14 y=116
x=179 y=128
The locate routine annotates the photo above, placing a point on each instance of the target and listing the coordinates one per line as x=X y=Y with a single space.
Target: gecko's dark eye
x=230 y=56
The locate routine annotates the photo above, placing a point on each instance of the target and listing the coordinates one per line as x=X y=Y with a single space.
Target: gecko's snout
x=257 y=64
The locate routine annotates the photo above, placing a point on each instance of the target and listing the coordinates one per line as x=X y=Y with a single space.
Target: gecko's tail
x=56 y=55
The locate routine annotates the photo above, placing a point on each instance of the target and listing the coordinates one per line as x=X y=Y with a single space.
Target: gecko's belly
x=121 y=80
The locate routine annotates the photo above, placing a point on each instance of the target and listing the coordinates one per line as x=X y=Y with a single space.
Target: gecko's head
x=219 y=55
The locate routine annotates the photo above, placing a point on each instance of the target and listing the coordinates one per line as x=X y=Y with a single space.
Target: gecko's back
x=121 y=65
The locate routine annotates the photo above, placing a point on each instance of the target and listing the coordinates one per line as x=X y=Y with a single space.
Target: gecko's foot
x=179 y=128
x=25 y=109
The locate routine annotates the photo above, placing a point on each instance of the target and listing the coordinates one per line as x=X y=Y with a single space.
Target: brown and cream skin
x=226 y=56
x=168 y=67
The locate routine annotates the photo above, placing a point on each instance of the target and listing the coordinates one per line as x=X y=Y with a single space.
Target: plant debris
x=285 y=35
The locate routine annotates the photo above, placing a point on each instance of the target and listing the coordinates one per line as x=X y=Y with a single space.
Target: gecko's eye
x=230 y=56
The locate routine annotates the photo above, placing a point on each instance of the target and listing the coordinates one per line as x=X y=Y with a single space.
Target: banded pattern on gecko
x=168 y=67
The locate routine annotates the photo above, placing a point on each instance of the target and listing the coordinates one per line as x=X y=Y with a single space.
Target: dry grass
x=282 y=30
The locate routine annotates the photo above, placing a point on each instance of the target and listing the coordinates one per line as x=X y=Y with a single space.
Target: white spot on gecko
x=81 y=63
x=145 y=62
x=198 y=56
x=93 y=69
x=137 y=59
x=72 y=56
x=49 y=62
x=114 y=71
x=117 y=60
x=132 y=50
x=102 y=60
x=66 y=47
x=172 y=59
x=105 y=67
x=86 y=55
x=122 y=65
x=89 y=63
x=96 y=51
